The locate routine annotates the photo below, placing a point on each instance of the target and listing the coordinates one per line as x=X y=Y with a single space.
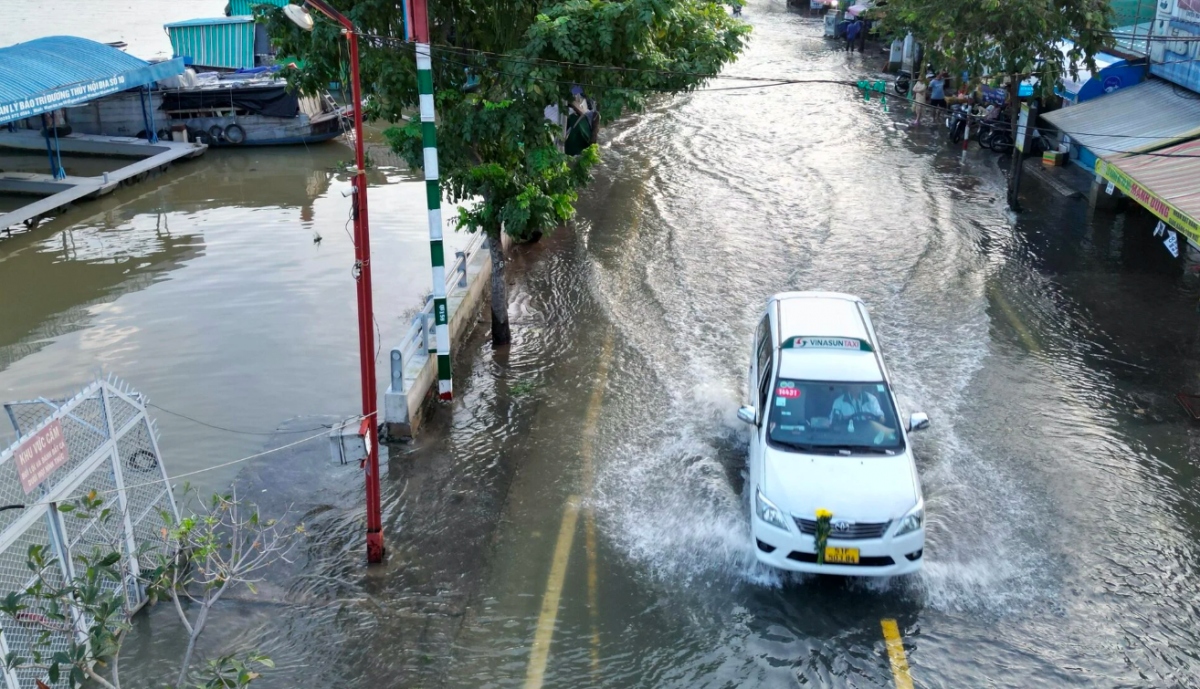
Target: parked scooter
x=956 y=121
x=995 y=131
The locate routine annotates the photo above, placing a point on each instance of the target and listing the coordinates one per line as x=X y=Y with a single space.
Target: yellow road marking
x=1010 y=314
x=895 y=651
x=593 y=602
x=589 y=514
x=540 y=653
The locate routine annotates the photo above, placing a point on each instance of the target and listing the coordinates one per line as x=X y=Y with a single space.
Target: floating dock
x=54 y=196
x=40 y=82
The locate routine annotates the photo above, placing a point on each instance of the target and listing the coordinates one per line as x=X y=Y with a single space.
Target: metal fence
x=419 y=341
x=100 y=440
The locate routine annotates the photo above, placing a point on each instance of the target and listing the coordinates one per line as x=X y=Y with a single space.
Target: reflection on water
x=207 y=288
x=138 y=23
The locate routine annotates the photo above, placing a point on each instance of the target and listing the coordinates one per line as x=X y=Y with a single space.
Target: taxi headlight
x=767 y=511
x=913 y=520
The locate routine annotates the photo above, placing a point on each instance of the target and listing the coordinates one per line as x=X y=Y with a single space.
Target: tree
x=222 y=547
x=498 y=65
x=1015 y=38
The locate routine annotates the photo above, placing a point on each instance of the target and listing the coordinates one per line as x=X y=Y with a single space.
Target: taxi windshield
x=814 y=416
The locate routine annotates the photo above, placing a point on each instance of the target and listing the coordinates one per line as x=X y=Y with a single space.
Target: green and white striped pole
x=433 y=199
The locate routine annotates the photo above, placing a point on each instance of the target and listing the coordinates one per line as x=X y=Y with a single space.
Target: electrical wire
x=787 y=82
x=356 y=420
x=233 y=430
x=468 y=52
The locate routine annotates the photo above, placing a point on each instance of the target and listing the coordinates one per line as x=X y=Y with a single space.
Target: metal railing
x=419 y=340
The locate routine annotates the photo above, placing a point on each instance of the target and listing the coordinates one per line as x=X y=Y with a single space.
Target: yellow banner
x=1177 y=219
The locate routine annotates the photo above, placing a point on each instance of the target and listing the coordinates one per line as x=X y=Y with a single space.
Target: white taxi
x=833 y=485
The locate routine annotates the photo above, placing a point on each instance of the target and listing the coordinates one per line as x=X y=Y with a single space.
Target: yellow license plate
x=841 y=556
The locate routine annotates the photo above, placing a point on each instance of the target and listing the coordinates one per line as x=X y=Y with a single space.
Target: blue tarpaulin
x=46 y=74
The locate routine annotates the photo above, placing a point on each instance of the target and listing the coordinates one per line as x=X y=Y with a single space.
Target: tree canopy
x=498 y=65
x=1010 y=37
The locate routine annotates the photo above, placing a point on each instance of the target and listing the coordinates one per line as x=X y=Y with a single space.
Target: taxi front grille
x=852 y=531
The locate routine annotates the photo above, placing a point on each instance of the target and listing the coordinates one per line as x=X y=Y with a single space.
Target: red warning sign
x=39 y=456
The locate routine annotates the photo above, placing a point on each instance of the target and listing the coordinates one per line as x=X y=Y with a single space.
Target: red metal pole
x=366 y=309
x=366 y=321
x=419 y=31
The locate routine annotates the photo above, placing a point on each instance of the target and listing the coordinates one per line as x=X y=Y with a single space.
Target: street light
x=362 y=264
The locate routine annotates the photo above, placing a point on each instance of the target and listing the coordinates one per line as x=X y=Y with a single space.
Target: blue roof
x=54 y=72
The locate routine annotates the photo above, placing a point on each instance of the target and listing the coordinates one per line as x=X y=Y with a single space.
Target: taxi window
x=807 y=415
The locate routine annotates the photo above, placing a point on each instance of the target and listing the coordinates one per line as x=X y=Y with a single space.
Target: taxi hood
x=866 y=488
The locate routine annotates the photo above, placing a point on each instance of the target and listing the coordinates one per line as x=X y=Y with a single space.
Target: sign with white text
x=39 y=456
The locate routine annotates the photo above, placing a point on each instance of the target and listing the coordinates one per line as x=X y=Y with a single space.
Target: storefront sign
x=39 y=456
x=1189 y=226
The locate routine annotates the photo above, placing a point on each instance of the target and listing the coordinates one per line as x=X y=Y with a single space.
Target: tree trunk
x=1014 y=168
x=501 y=335
x=191 y=647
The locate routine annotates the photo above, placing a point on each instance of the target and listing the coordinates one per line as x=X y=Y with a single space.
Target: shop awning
x=1167 y=183
x=55 y=72
x=1138 y=118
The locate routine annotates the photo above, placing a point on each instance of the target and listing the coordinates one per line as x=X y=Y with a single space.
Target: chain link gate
x=99 y=440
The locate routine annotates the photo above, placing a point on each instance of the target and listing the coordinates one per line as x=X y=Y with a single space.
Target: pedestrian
x=864 y=26
x=852 y=32
x=937 y=93
x=919 y=96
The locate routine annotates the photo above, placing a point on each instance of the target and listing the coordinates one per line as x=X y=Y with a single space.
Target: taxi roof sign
x=844 y=343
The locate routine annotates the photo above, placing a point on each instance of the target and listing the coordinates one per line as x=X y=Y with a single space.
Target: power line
x=855 y=83
x=356 y=420
x=234 y=430
x=766 y=82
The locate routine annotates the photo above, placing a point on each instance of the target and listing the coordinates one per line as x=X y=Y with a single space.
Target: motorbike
x=956 y=121
x=995 y=130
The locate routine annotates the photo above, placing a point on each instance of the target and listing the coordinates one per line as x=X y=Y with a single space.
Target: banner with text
x=1177 y=219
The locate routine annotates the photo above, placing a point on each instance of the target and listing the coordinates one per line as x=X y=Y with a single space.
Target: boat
x=232 y=93
x=247 y=109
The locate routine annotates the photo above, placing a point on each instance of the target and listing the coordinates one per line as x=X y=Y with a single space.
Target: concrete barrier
x=413 y=363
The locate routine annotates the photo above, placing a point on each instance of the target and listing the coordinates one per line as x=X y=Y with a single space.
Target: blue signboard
x=46 y=74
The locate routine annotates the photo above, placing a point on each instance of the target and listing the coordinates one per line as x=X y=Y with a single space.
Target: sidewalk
x=1070 y=181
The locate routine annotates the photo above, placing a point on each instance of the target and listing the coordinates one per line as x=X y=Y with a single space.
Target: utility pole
x=362 y=273
x=418 y=29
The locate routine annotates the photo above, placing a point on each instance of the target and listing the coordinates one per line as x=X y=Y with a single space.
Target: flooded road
x=1046 y=348
x=578 y=517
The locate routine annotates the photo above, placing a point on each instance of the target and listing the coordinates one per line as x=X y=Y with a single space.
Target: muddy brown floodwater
x=1059 y=473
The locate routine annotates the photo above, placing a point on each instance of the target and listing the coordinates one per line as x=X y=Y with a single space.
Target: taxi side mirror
x=918 y=422
x=747 y=415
